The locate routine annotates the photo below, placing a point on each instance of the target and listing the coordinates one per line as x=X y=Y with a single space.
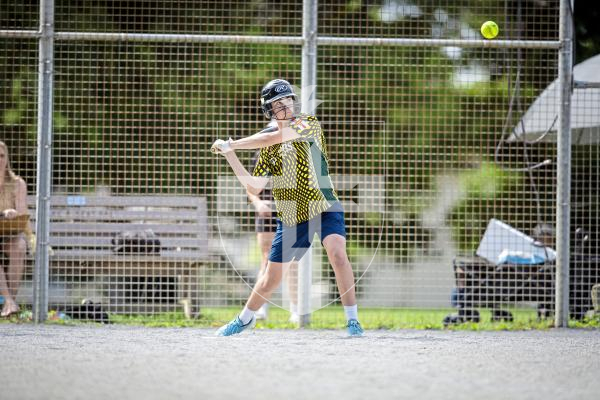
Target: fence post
x=563 y=215
x=44 y=161
x=309 y=82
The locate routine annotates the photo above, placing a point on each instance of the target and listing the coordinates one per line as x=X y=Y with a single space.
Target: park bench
x=82 y=228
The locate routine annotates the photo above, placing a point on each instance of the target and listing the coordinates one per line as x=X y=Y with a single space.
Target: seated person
x=545 y=235
x=13 y=202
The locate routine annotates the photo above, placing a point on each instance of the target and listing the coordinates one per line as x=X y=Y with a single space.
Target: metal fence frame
x=309 y=41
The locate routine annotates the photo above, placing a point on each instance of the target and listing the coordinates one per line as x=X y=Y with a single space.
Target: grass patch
x=371 y=318
x=332 y=317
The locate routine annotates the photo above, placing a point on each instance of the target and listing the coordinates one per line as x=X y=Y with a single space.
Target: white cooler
x=502 y=242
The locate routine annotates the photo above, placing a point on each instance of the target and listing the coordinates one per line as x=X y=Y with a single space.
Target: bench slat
x=128 y=201
x=108 y=256
x=122 y=201
x=112 y=228
x=105 y=241
x=91 y=214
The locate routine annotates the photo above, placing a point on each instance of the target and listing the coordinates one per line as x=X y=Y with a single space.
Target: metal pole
x=44 y=170
x=565 y=79
x=309 y=82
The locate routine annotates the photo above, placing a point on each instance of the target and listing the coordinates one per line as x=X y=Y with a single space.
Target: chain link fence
x=449 y=192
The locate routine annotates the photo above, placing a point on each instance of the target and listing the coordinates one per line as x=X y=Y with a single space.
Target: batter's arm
x=264 y=139
x=253 y=184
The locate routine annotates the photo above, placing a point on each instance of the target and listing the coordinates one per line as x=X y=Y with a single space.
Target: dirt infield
x=122 y=362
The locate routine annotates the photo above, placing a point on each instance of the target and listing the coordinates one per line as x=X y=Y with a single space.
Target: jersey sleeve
x=261 y=168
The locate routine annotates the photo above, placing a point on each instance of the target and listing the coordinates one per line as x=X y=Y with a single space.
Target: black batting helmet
x=272 y=91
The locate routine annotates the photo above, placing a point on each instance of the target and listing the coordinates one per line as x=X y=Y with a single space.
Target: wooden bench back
x=83 y=226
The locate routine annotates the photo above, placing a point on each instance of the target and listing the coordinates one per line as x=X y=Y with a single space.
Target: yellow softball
x=489 y=29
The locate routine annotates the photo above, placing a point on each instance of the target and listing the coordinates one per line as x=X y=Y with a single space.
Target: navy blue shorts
x=291 y=242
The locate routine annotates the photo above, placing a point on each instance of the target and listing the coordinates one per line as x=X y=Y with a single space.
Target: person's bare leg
x=10 y=305
x=264 y=240
x=260 y=294
x=265 y=286
x=335 y=245
x=16 y=250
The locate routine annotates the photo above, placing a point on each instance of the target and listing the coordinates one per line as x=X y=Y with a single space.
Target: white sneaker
x=261 y=313
x=294 y=318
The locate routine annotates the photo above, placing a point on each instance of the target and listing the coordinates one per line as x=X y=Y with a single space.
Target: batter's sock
x=351 y=312
x=246 y=315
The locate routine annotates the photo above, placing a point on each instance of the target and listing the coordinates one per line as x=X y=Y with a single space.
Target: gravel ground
x=123 y=362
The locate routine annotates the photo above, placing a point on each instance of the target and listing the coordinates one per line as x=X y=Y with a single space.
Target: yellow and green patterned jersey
x=299 y=168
